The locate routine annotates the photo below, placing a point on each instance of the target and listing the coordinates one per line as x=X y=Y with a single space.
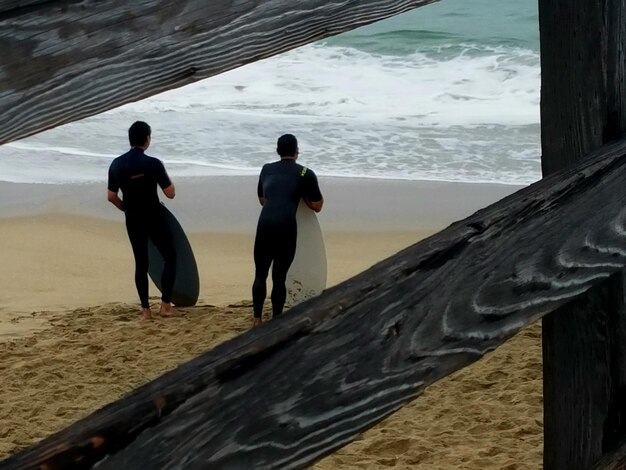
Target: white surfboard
x=307 y=275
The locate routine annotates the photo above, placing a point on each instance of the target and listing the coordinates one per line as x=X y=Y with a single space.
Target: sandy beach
x=71 y=340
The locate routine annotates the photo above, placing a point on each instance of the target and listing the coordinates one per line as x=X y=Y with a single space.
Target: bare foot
x=257 y=322
x=146 y=314
x=166 y=310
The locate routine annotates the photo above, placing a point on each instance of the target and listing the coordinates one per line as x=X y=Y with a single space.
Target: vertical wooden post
x=583 y=106
x=584 y=351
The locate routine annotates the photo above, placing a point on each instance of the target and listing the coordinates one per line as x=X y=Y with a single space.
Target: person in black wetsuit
x=137 y=176
x=281 y=186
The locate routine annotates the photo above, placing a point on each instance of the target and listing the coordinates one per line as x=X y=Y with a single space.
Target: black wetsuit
x=137 y=176
x=282 y=184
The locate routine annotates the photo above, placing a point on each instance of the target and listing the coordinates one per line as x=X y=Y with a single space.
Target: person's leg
x=138 y=236
x=285 y=252
x=262 y=262
x=162 y=239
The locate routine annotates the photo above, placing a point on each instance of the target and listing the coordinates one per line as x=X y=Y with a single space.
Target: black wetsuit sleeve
x=259 y=188
x=162 y=177
x=311 y=189
x=113 y=184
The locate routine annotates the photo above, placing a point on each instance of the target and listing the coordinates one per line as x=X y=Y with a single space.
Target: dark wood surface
x=583 y=106
x=584 y=378
x=615 y=460
x=18 y=7
x=292 y=391
x=65 y=60
x=583 y=78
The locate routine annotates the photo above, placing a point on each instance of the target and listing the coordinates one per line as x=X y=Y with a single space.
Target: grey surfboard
x=187 y=283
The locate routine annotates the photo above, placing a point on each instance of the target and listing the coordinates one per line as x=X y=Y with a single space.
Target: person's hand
x=314 y=205
x=256 y=322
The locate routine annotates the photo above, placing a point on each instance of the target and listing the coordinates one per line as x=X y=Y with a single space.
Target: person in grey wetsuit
x=281 y=186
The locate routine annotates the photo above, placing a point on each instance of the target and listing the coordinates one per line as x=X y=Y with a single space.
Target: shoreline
x=65 y=246
x=229 y=204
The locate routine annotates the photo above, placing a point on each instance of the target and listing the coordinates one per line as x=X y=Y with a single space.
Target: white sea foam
x=435 y=114
x=478 y=86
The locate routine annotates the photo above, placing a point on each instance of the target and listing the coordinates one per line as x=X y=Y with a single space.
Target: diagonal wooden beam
x=615 y=460
x=288 y=393
x=64 y=60
x=20 y=6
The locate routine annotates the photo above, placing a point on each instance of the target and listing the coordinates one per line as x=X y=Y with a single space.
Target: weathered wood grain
x=583 y=106
x=65 y=60
x=615 y=460
x=16 y=7
x=583 y=78
x=288 y=393
x=584 y=376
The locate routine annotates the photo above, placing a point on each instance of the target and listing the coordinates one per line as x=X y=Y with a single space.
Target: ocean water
x=446 y=92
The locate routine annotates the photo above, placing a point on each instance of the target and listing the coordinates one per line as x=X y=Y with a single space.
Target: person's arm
x=259 y=189
x=165 y=182
x=115 y=200
x=113 y=188
x=312 y=195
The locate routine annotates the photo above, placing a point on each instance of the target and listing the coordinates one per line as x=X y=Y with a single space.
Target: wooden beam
x=615 y=460
x=65 y=60
x=584 y=371
x=12 y=6
x=290 y=392
x=583 y=78
x=583 y=106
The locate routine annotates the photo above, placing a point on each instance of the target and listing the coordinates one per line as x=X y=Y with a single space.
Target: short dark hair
x=138 y=133
x=287 y=145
